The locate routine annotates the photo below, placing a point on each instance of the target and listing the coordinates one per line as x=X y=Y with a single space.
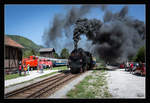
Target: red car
x=122 y=66
x=142 y=70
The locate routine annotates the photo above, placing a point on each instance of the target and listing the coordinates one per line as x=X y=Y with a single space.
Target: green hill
x=28 y=44
x=30 y=47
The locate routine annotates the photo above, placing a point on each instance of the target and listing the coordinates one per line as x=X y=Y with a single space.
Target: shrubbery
x=140 y=56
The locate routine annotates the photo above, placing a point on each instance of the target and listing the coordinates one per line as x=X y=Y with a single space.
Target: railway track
x=41 y=89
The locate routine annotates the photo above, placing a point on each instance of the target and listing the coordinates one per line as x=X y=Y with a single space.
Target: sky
x=32 y=20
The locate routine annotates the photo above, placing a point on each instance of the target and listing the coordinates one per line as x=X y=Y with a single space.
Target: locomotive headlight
x=80 y=60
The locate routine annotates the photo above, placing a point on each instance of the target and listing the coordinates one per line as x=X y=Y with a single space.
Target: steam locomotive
x=80 y=61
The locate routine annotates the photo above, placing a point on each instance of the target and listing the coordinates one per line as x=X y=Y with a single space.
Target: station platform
x=32 y=75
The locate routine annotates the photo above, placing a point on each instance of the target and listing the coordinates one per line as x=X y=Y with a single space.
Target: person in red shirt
x=131 y=67
x=20 y=68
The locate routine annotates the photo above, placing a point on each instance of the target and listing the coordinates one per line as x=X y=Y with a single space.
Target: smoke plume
x=115 y=39
x=52 y=36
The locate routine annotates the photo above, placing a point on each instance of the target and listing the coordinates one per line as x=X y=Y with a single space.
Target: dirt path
x=122 y=84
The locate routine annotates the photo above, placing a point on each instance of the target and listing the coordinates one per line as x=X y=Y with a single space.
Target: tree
x=140 y=56
x=28 y=53
x=33 y=52
x=64 y=53
x=56 y=55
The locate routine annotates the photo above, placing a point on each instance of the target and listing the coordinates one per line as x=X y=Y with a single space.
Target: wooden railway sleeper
x=54 y=86
x=31 y=95
x=30 y=86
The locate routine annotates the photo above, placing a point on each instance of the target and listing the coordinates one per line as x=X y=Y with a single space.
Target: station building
x=13 y=52
x=47 y=52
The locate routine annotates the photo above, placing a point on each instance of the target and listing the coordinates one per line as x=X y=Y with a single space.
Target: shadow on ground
x=107 y=69
x=64 y=71
x=137 y=74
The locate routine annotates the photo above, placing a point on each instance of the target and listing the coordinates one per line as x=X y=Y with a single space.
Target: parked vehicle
x=32 y=61
x=60 y=62
x=122 y=66
x=46 y=62
x=49 y=63
x=141 y=70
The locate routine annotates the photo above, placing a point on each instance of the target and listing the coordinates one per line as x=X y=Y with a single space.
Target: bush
x=140 y=56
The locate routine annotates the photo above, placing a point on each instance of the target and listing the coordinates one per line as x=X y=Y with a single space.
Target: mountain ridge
x=26 y=42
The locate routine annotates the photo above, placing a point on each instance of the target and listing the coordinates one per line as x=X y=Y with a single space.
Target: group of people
x=40 y=67
x=23 y=67
x=132 y=66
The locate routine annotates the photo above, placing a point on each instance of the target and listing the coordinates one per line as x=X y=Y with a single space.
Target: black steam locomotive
x=80 y=61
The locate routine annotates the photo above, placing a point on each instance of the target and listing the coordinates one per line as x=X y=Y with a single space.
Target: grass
x=12 y=76
x=93 y=86
x=101 y=66
x=60 y=68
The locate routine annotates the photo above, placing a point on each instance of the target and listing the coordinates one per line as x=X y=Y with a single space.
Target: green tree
x=27 y=53
x=56 y=55
x=33 y=52
x=64 y=53
x=140 y=56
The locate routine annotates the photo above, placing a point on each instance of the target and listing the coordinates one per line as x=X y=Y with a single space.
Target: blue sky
x=31 y=20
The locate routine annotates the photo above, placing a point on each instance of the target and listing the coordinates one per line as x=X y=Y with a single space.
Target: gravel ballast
x=121 y=84
x=61 y=93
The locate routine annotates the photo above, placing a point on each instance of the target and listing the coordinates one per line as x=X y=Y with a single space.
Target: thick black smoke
x=115 y=39
x=52 y=36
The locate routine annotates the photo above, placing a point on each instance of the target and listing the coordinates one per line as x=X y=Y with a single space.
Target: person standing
x=38 y=66
x=127 y=66
x=131 y=67
x=51 y=65
x=42 y=67
x=140 y=66
x=25 y=68
x=28 y=68
x=20 y=68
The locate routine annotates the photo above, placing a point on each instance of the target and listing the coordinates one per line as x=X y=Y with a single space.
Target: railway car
x=48 y=63
x=32 y=61
x=61 y=62
x=80 y=61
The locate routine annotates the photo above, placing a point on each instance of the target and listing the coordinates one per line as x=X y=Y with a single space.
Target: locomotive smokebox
x=79 y=60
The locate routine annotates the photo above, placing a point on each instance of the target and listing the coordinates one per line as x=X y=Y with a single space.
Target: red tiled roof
x=10 y=42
